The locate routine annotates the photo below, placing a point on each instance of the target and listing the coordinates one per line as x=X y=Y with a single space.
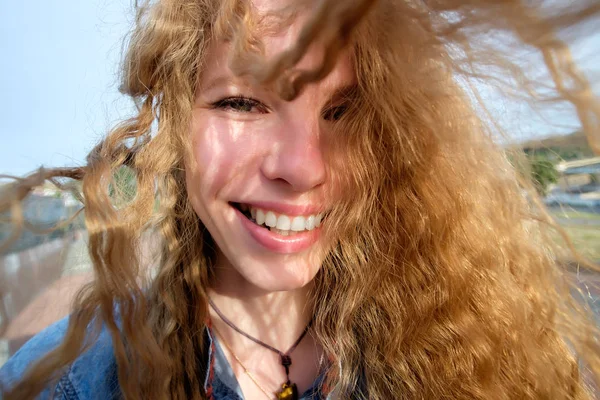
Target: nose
x=296 y=158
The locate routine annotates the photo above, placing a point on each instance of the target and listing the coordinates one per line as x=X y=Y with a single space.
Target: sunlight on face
x=260 y=162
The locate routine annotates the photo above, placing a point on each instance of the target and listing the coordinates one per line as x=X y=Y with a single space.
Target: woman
x=336 y=220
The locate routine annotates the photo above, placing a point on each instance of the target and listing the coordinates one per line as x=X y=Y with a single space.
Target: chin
x=278 y=277
x=281 y=286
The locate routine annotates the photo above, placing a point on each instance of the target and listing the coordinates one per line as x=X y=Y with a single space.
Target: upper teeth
x=286 y=222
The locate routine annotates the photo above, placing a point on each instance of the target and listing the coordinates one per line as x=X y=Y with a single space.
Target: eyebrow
x=344 y=92
x=222 y=80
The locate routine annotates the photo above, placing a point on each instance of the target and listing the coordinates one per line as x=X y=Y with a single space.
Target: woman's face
x=261 y=182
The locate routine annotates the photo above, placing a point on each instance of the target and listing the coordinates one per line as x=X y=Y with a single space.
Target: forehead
x=278 y=23
x=274 y=28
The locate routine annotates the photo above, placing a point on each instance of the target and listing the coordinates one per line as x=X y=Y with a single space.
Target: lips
x=281 y=223
x=283 y=241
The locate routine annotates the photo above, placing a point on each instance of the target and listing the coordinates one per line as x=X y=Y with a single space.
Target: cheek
x=223 y=152
x=339 y=175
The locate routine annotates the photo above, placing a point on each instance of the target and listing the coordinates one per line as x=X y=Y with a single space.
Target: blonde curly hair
x=442 y=283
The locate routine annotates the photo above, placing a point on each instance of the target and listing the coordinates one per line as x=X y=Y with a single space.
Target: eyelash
x=333 y=113
x=238 y=102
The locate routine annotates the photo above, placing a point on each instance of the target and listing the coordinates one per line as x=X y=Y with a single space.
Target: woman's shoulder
x=93 y=375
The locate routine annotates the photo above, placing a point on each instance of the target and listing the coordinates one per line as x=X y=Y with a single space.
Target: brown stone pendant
x=288 y=391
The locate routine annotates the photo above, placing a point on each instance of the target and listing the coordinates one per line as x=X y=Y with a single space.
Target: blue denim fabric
x=91 y=376
x=94 y=374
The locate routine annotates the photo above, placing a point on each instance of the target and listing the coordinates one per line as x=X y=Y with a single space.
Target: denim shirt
x=93 y=375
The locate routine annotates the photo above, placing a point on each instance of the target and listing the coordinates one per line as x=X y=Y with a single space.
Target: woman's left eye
x=240 y=104
x=335 y=113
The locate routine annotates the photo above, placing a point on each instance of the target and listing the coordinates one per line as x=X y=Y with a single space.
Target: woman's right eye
x=240 y=104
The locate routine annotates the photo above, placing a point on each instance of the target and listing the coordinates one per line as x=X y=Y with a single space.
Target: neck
x=276 y=318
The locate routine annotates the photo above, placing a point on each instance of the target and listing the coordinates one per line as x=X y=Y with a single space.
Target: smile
x=278 y=232
x=280 y=223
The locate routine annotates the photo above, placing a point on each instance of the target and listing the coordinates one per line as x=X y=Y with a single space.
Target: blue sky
x=58 y=74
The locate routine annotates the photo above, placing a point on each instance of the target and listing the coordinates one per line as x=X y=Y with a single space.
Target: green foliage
x=557 y=154
x=560 y=147
x=123 y=187
x=538 y=167
x=542 y=155
x=543 y=173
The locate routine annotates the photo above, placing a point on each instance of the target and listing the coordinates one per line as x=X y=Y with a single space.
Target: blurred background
x=59 y=80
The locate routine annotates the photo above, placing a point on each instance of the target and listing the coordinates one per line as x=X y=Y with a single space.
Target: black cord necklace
x=288 y=391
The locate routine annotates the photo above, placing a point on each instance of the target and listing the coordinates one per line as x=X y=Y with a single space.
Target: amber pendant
x=288 y=392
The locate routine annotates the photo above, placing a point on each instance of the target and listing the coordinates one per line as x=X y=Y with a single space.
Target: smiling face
x=261 y=183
